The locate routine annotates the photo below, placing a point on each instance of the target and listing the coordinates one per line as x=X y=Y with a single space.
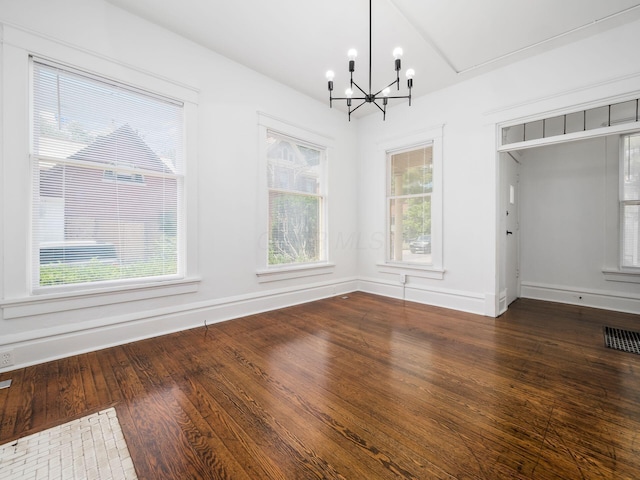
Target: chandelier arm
x=379 y=107
x=358 y=87
x=398 y=96
x=388 y=86
x=354 y=109
x=347 y=98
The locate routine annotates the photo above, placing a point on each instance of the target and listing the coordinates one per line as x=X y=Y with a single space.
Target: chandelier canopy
x=369 y=96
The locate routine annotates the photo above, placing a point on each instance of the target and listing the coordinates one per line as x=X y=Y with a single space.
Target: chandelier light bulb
x=348 y=92
x=385 y=99
x=352 y=54
x=397 y=53
x=410 y=74
x=330 y=76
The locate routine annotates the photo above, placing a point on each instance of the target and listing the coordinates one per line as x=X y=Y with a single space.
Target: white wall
x=591 y=71
x=569 y=224
x=222 y=162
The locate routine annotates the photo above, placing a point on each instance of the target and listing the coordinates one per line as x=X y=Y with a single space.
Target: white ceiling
x=445 y=41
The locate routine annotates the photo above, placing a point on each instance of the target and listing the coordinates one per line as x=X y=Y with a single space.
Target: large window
x=107 y=180
x=296 y=201
x=409 y=204
x=630 y=202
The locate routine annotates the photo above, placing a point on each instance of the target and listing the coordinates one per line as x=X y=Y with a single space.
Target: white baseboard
x=502 y=302
x=616 y=301
x=54 y=343
x=454 y=299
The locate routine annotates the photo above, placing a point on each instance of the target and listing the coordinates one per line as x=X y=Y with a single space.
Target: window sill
x=65 y=301
x=615 y=275
x=412 y=270
x=285 y=273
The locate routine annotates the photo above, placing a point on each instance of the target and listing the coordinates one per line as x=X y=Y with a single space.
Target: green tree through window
x=294 y=173
x=409 y=187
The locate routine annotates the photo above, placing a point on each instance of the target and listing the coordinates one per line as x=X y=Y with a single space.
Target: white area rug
x=91 y=447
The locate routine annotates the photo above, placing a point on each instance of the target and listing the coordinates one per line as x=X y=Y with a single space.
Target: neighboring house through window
x=108 y=180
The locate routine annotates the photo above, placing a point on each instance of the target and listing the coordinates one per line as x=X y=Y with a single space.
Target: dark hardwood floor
x=361 y=388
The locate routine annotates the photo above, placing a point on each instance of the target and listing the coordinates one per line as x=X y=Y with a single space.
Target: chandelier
x=370 y=97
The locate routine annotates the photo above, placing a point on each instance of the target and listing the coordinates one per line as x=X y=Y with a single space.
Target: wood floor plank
x=325 y=424
x=359 y=386
x=206 y=399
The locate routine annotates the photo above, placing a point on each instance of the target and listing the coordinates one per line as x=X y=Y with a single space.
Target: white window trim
x=265 y=272
x=19 y=46
x=626 y=275
x=625 y=272
x=67 y=301
x=36 y=159
x=430 y=136
x=273 y=274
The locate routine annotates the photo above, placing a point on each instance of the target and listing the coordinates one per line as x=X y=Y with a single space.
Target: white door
x=511 y=209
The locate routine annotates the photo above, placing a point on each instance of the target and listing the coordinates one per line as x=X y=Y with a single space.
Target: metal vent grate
x=624 y=340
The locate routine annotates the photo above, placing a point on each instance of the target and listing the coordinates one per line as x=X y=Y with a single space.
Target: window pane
x=631 y=236
x=575 y=122
x=631 y=168
x=533 y=130
x=554 y=126
x=107 y=180
x=597 y=118
x=104 y=123
x=513 y=134
x=412 y=172
x=294 y=228
x=92 y=229
x=294 y=179
x=292 y=167
x=623 y=112
x=410 y=229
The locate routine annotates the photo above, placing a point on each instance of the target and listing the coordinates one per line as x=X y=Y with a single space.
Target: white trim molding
x=627 y=276
x=64 y=302
x=470 y=302
x=30 y=348
x=298 y=271
x=411 y=270
x=608 y=300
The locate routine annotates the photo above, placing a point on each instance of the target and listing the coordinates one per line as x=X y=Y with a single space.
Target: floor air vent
x=624 y=340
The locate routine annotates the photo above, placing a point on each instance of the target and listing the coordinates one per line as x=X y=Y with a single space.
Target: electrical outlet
x=403 y=278
x=6 y=358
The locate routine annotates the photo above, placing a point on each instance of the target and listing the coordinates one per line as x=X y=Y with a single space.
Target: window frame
x=18 y=299
x=265 y=272
x=390 y=198
x=431 y=136
x=35 y=159
x=622 y=203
